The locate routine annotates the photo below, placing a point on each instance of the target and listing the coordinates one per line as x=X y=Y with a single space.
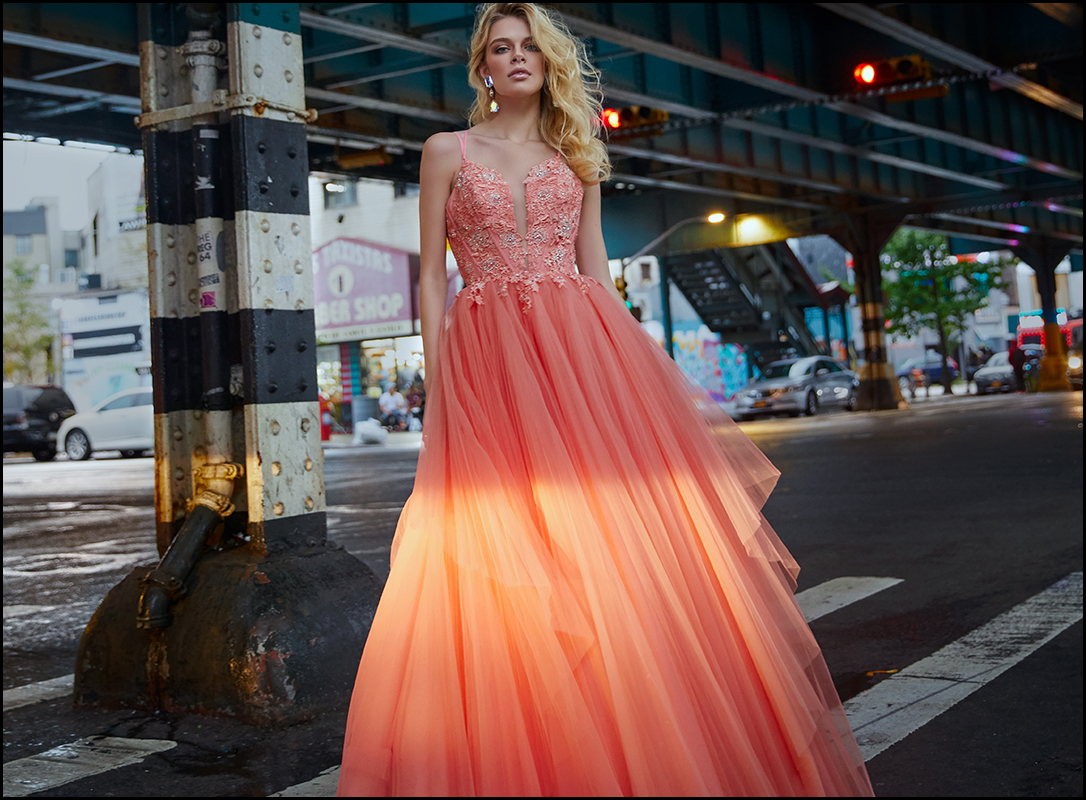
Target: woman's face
x=512 y=59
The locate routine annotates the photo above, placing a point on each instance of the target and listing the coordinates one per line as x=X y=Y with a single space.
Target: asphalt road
x=973 y=504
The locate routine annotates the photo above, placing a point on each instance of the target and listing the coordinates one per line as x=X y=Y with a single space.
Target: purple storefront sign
x=361 y=291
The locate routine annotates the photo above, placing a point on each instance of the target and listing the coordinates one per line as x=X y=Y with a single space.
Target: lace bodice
x=482 y=228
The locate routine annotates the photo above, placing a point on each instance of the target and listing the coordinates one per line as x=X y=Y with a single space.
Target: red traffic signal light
x=904 y=69
x=632 y=117
x=865 y=73
x=892 y=70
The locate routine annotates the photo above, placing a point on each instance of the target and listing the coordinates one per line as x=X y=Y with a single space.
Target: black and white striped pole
x=251 y=612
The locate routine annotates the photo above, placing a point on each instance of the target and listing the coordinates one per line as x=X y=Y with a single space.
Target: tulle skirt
x=584 y=596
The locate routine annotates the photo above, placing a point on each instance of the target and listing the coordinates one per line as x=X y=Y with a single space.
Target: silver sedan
x=797 y=386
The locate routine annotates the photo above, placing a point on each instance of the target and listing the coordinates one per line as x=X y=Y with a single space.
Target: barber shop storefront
x=366 y=301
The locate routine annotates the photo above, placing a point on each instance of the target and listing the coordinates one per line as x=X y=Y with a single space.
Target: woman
x=584 y=596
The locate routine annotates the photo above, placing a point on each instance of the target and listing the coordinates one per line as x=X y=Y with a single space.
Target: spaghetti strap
x=463 y=136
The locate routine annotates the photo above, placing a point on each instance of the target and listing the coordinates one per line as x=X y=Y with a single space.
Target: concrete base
x=878 y=389
x=273 y=640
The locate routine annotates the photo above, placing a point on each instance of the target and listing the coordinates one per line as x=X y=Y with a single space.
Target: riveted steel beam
x=368 y=33
x=667 y=158
x=670 y=52
x=755 y=78
x=385 y=106
x=105 y=98
x=694 y=188
x=71 y=48
x=926 y=43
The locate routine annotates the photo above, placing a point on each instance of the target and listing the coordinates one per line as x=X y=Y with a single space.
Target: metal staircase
x=751 y=296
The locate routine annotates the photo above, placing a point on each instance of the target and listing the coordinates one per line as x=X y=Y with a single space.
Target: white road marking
x=23 y=610
x=71 y=762
x=818 y=601
x=37 y=692
x=890 y=711
x=880 y=717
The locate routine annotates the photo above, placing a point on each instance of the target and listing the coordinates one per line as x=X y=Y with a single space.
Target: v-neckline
x=504 y=180
x=508 y=187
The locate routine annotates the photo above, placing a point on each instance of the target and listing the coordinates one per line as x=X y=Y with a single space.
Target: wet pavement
x=972 y=504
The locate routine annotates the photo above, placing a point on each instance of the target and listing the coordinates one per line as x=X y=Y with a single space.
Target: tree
x=926 y=287
x=26 y=324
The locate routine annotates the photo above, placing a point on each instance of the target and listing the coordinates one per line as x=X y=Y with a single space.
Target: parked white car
x=124 y=421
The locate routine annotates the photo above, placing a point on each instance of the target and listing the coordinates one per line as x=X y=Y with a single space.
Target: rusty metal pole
x=1044 y=255
x=274 y=617
x=217 y=296
x=864 y=238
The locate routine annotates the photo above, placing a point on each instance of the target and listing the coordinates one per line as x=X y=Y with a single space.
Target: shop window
x=340 y=194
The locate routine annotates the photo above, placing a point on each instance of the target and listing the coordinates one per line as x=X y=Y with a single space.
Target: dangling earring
x=493 y=102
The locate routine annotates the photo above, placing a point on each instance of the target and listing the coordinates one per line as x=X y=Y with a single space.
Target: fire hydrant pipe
x=166 y=583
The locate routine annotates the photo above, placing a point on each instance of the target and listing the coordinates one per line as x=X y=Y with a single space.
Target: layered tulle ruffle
x=584 y=596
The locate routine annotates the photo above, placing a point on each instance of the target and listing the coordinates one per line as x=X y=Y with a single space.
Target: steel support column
x=266 y=620
x=1044 y=255
x=864 y=237
x=665 y=306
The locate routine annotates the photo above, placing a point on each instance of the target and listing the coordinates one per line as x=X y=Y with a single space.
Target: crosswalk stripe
x=80 y=759
x=881 y=716
x=837 y=593
x=11 y=612
x=898 y=706
x=37 y=692
x=818 y=601
x=815 y=602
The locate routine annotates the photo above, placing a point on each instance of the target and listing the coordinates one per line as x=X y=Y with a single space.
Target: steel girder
x=763 y=112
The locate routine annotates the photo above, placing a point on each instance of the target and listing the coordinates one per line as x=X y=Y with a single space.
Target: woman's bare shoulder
x=442 y=146
x=440 y=158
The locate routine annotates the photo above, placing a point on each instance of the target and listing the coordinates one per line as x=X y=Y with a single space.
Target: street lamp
x=665 y=294
x=714 y=218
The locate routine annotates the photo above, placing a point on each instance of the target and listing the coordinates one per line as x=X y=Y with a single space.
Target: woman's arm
x=591 y=251
x=440 y=160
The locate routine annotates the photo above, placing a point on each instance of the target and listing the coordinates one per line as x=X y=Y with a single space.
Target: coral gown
x=584 y=597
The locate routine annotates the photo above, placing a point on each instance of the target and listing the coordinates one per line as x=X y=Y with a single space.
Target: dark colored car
x=931 y=363
x=997 y=374
x=32 y=417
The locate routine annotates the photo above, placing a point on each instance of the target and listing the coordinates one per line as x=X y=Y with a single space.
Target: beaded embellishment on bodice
x=483 y=235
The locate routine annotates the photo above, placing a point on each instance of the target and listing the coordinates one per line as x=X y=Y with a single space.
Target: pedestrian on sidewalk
x=1017 y=358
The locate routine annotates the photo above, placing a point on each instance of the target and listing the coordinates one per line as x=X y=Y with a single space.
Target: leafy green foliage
x=26 y=324
x=926 y=287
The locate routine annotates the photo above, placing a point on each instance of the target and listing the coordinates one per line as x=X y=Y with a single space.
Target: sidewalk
x=397 y=440
x=923 y=395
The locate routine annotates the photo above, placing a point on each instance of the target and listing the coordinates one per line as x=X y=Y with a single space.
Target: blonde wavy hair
x=570 y=105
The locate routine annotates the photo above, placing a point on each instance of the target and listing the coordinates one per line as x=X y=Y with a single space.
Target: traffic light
x=904 y=69
x=632 y=117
